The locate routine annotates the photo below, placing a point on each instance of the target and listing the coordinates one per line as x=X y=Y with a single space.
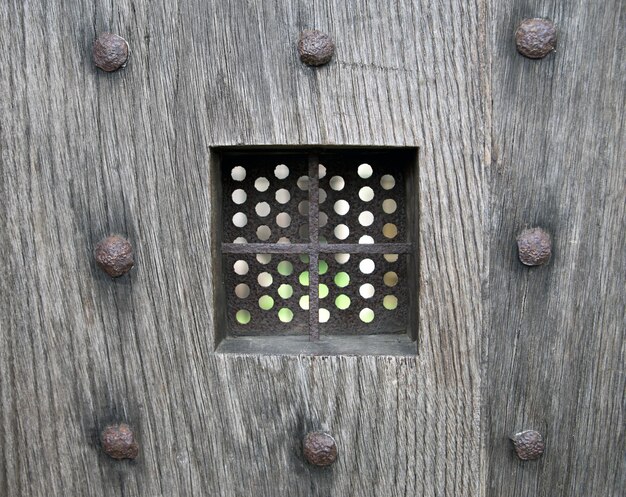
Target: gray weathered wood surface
x=554 y=345
x=86 y=153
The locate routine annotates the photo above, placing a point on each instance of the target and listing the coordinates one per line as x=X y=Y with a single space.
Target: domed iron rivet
x=535 y=38
x=320 y=449
x=114 y=255
x=118 y=442
x=110 y=52
x=529 y=445
x=315 y=48
x=534 y=247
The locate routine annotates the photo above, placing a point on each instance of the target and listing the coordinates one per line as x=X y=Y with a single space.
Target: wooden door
x=501 y=142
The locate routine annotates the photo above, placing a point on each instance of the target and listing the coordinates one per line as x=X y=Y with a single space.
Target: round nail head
x=114 y=255
x=320 y=449
x=118 y=442
x=315 y=48
x=534 y=247
x=535 y=38
x=529 y=445
x=110 y=52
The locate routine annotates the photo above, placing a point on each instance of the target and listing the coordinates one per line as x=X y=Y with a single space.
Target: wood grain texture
x=85 y=154
x=555 y=348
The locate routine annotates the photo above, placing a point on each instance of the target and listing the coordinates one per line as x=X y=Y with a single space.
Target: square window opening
x=316 y=250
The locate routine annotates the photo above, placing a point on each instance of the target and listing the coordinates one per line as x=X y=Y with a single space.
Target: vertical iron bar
x=314 y=214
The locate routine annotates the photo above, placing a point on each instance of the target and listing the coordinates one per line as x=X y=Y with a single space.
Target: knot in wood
x=118 y=442
x=110 y=52
x=535 y=38
x=529 y=445
x=114 y=255
x=315 y=48
x=320 y=449
x=534 y=247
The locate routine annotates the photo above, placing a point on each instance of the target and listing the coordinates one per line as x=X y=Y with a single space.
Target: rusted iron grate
x=315 y=244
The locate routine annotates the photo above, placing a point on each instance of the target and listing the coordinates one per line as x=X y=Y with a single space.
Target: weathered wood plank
x=86 y=153
x=555 y=349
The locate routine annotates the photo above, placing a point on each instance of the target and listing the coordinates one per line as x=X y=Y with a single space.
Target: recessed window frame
x=314 y=343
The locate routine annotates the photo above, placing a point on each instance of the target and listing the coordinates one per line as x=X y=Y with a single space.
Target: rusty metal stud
x=529 y=445
x=315 y=48
x=320 y=449
x=118 y=442
x=114 y=255
x=535 y=38
x=110 y=52
x=534 y=247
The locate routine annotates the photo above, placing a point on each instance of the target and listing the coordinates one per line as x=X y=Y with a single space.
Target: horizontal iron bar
x=324 y=248
x=365 y=248
x=266 y=248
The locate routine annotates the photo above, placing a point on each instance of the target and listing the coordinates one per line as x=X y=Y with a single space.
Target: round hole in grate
x=366 y=240
x=342 y=258
x=391 y=257
x=342 y=302
x=390 y=230
x=303 y=231
x=365 y=171
x=389 y=206
x=283 y=220
x=341 y=232
x=241 y=268
x=390 y=302
x=304 y=302
x=243 y=316
x=285 y=315
x=238 y=173
x=304 y=258
x=367 y=291
x=322 y=239
x=284 y=240
x=304 y=278
x=366 y=315
x=342 y=207
x=322 y=194
x=367 y=266
x=263 y=232
x=324 y=315
x=265 y=279
x=323 y=221
x=366 y=194
x=266 y=302
x=323 y=291
x=263 y=209
x=322 y=267
x=342 y=279
x=264 y=258
x=285 y=291
x=387 y=182
x=321 y=171
x=303 y=208
x=281 y=171
x=239 y=196
x=240 y=239
x=282 y=196
x=240 y=220
x=337 y=183
x=390 y=278
x=285 y=268
x=303 y=183
x=261 y=184
x=366 y=218
x=242 y=291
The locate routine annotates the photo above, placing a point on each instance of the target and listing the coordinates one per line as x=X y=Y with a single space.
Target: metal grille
x=315 y=244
